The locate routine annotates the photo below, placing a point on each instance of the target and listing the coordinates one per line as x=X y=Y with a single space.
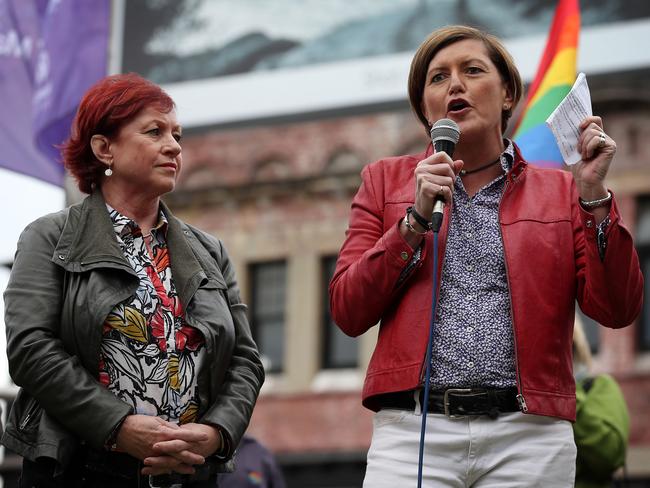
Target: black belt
x=457 y=402
x=121 y=465
x=114 y=464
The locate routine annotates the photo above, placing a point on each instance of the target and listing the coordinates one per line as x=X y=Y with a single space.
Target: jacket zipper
x=30 y=413
x=521 y=401
x=406 y=272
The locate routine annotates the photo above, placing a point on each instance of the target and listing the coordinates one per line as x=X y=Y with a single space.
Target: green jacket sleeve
x=38 y=359
x=601 y=429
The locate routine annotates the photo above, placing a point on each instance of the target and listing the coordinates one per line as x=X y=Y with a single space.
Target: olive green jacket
x=69 y=273
x=601 y=431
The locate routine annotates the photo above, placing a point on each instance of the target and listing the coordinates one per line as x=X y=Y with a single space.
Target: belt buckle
x=445 y=400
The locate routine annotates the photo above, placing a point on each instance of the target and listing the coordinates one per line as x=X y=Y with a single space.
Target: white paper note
x=565 y=120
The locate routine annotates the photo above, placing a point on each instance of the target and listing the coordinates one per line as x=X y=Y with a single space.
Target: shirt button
x=62 y=257
x=469 y=267
x=589 y=223
x=404 y=255
x=470 y=364
x=468 y=235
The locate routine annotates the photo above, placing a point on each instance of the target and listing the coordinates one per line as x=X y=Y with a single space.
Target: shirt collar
x=508 y=155
x=124 y=226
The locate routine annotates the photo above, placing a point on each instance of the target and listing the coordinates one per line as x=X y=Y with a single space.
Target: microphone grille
x=446 y=130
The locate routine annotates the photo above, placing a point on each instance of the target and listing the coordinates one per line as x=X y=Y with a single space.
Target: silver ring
x=602 y=140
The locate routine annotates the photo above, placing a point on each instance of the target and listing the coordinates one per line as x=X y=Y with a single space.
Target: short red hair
x=106 y=107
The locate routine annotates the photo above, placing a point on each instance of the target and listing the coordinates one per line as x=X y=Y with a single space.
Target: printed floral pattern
x=150 y=356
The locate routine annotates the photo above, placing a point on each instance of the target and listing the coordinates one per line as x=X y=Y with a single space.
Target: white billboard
x=227 y=61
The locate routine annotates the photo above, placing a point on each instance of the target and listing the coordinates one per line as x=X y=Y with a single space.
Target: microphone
x=445 y=134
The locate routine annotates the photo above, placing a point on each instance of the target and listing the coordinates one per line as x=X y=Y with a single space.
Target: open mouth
x=457 y=105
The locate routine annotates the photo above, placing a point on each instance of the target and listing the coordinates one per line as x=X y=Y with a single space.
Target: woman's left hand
x=597 y=150
x=174 y=452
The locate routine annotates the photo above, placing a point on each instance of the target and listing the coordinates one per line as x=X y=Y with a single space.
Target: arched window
x=272 y=169
x=343 y=161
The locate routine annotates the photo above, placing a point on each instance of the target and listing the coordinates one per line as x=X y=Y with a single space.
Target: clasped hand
x=434 y=177
x=165 y=447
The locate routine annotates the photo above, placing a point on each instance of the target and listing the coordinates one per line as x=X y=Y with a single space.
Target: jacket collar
x=88 y=238
x=519 y=165
x=88 y=241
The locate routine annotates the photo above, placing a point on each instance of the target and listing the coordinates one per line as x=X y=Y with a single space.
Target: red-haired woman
x=125 y=328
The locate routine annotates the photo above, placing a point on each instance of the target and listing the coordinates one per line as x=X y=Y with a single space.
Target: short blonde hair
x=445 y=36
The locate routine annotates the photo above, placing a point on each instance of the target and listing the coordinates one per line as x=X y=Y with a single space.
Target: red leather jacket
x=551 y=256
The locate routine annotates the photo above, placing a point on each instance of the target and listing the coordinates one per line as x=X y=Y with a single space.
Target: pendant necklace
x=464 y=172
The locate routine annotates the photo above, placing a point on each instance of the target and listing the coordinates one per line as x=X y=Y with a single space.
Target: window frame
x=328 y=328
x=258 y=320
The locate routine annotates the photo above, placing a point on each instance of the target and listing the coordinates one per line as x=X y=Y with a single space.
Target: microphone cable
x=427 y=376
x=445 y=134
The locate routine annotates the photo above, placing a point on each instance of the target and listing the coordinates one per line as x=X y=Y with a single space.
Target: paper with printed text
x=565 y=120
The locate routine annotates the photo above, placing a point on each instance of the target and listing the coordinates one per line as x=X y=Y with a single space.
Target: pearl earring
x=108 y=171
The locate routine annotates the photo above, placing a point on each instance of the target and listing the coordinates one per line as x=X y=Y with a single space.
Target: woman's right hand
x=139 y=433
x=177 y=449
x=434 y=176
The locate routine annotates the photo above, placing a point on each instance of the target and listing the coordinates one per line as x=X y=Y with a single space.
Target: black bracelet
x=111 y=442
x=424 y=223
x=413 y=229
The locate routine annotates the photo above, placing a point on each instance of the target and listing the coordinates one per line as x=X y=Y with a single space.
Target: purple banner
x=50 y=53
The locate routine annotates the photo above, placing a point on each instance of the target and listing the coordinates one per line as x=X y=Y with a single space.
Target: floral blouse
x=150 y=357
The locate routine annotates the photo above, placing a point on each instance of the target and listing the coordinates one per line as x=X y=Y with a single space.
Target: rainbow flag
x=555 y=76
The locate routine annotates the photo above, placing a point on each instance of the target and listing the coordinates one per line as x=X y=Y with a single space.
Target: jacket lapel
x=186 y=270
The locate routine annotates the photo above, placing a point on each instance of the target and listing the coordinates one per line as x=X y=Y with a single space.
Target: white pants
x=514 y=450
